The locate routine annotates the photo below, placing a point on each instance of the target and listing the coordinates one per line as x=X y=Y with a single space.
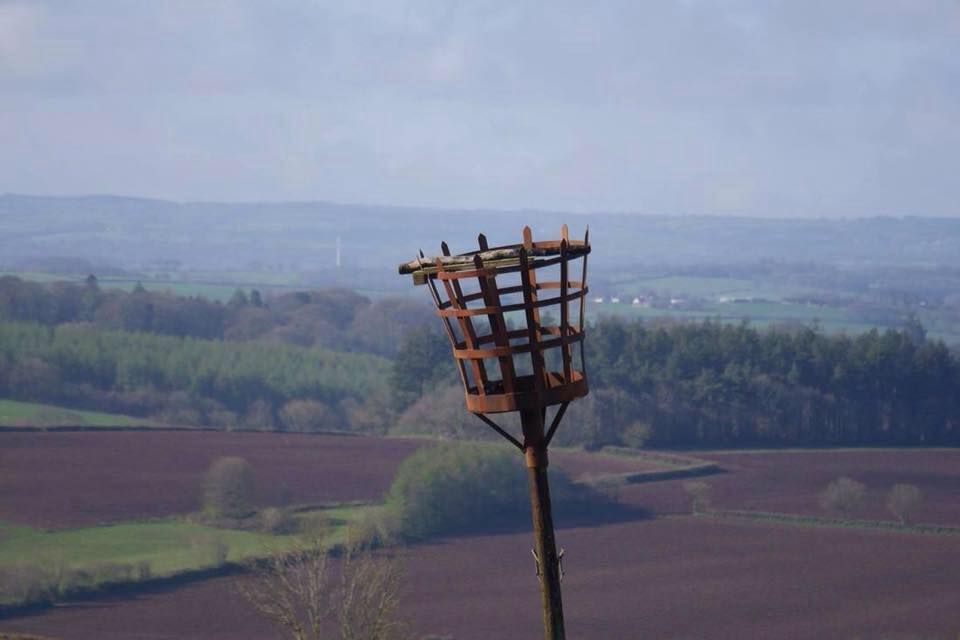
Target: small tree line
x=842 y=497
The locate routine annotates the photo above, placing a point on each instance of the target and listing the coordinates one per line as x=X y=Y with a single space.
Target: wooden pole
x=545 y=546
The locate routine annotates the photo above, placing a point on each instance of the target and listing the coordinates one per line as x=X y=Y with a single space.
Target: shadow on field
x=564 y=516
x=115 y=594
x=599 y=515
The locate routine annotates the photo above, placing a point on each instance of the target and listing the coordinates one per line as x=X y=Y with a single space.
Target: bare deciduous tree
x=228 y=488
x=291 y=591
x=699 y=495
x=297 y=593
x=369 y=598
x=843 y=495
x=902 y=500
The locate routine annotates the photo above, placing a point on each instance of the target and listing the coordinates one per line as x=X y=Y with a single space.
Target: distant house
x=614 y=300
x=598 y=300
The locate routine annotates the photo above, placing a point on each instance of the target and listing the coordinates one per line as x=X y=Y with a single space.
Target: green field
x=39 y=276
x=631 y=285
x=628 y=285
x=127 y=552
x=29 y=414
x=221 y=292
x=760 y=314
x=169 y=546
x=213 y=286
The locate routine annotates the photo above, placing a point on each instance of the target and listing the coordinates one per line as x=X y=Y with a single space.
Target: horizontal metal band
x=545 y=330
x=574 y=245
x=556 y=391
x=556 y=284
x=532 y=263
x=519 y=306
x=506 y=291
x=499 y=352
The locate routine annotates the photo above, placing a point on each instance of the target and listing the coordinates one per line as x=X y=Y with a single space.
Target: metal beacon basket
x=508 y=323
x=518 y=344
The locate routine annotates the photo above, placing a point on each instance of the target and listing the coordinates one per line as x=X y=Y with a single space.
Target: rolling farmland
x=667 y=578
x=83 y=478
x=670 y=576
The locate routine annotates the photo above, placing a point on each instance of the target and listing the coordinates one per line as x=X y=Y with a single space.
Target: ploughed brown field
x=791 y=482
x=69 y=479
x=678 y=577
x=674 y=576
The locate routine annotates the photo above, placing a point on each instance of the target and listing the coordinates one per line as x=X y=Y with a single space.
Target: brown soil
x=77 y=478
x=673 y=577
x=68 y=479
x=791 y=482
x=669 y=578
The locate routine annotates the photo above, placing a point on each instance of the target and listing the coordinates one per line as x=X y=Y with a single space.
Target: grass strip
x=38 y=566
x=14 y=413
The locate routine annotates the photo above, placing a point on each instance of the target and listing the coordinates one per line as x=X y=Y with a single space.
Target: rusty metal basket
x=522 y=366
x=496 y=304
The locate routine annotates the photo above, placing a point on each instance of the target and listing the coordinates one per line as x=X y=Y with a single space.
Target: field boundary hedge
x=818 y=521
x=161 y=429
x=170 y=581
x=681 y=467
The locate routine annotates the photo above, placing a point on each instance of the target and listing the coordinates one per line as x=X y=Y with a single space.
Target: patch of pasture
x=14 y=413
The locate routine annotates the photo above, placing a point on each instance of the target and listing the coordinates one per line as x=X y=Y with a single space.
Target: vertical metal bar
x=531 y=274
x=491 y=298
x=583 y=301
x=533 y=326
x=448 y=327
x=564 y=313
x=545 y=546
x=455 y=294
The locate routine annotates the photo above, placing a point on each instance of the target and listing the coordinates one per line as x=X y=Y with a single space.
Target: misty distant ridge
x=132 y=232
x=139 y=202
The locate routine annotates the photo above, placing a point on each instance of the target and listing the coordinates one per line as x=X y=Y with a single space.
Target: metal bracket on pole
x=556 y=422
x=493 y=425
x=536 y=560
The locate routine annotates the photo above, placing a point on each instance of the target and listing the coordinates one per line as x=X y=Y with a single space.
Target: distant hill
x=137 y=233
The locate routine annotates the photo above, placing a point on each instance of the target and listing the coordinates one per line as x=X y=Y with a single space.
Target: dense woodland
x=713 y=384
x=666 y=384
x=334 y=318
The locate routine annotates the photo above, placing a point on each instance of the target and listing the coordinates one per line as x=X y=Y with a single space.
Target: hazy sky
x=759 y=108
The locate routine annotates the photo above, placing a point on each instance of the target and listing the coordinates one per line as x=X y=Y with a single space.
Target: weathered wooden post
x=494 y=304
